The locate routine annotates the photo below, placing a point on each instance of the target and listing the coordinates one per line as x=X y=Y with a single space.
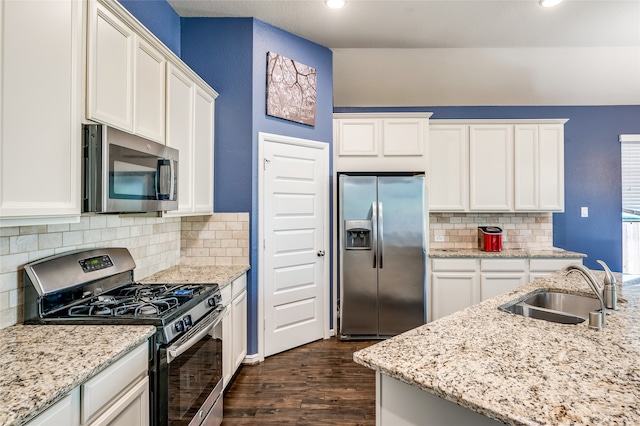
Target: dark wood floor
x=316 y=384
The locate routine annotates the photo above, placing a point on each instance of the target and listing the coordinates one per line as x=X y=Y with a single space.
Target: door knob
x=320 y=253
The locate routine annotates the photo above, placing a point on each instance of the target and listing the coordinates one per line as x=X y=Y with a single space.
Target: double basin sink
x=554 y=307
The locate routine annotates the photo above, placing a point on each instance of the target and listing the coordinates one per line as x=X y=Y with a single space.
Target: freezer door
x=401 y=254
x=358 y=284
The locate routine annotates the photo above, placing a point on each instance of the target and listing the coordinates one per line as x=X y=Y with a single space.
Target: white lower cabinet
x=499 y=276
x=457 y=283
x=65 y=412
x=453 y=286
x=117 y=396
x=234 y=327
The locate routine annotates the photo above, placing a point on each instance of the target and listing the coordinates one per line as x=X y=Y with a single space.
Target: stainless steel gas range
x=97 y=287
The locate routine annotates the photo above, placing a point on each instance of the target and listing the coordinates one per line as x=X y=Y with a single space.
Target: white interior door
x=295 y=207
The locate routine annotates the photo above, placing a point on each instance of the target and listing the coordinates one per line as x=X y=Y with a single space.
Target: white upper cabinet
x=150 y=85
x=490 y=167
x=495 y=166
x=448 y=168
x=126 y=77
x=190 y=112
x=381 y=142
x=40 y=112
x=539 y=167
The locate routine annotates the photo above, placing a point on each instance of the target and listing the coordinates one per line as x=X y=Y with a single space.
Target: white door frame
x=262 y=139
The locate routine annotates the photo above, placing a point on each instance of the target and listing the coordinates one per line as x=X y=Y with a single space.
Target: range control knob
x=188 y=322
x=212 y=302
x=179 y=326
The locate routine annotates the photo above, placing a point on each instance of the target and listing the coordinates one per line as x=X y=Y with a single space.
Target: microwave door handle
x=172 y=179
x=162 y=164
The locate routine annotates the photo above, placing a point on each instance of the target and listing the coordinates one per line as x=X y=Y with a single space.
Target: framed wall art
x=291 y=90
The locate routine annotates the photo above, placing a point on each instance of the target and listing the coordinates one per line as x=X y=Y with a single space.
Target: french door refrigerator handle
x=380 y=235
x=374 y=231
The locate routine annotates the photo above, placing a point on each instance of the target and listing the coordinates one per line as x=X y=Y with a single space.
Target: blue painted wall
x=231 y=55
x=592 y=170
x=160 y=18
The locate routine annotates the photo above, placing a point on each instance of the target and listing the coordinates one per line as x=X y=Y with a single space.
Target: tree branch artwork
x=291 y=90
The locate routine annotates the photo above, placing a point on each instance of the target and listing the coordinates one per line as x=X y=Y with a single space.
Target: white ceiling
x=373 y=27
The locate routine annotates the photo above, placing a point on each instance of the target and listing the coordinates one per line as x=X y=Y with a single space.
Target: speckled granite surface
x=524 y=371
x=42 y=363
x=223 y=274
x=551 y=252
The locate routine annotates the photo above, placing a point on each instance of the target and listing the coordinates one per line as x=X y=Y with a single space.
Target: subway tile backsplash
x=520 y=230
x=219 y=239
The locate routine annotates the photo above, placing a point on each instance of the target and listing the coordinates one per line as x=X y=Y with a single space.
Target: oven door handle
x=177 y=350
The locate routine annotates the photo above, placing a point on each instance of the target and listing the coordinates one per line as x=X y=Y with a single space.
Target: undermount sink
x=554 y=307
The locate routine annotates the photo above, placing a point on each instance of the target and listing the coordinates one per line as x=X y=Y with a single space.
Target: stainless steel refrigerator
x=383 y=248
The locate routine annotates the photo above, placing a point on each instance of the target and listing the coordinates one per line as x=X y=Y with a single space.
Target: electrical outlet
x=439 y=238
x=584 y=212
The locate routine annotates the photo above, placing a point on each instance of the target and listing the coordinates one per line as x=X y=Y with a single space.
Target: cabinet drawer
x=503 y=265
x=238 y=285
x=98 y=391
x=453 y=264
x=552 y=265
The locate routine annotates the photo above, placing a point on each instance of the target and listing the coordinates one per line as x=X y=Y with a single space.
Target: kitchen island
x=485 y=366
x=42 y=363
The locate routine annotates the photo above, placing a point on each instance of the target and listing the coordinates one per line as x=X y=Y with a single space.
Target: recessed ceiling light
x=549 y=3
x=335 y=4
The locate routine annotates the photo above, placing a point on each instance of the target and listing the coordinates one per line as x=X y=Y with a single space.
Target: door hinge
x=266 y=163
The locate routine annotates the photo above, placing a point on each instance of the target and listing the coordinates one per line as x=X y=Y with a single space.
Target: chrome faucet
x=609 y=289
x=596 y=318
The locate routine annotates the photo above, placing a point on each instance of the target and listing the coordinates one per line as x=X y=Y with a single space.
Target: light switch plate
x=584 y=212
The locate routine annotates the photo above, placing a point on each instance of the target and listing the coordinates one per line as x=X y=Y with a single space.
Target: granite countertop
x=220 y=274
x=523 y=371
x=42 y=363
x=550 y=252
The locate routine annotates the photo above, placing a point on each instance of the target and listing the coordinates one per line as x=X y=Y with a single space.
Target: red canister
x=489 y=238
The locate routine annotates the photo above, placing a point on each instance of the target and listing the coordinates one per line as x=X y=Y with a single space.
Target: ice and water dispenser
x=357 y=234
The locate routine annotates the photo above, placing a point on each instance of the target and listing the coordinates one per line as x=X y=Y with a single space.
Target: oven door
x=190 y=376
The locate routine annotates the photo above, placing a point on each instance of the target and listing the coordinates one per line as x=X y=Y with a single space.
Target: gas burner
x=149 y=309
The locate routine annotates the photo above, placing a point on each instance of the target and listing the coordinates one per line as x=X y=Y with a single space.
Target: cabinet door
x=526 y=167
x=359 y=137
x=132 y=408
x=495 y=284
x=239 y=324
x=448 y=167
x=551 y=161
x=227 y=347
x=452 y=292
x=110 y=72
x=403 y=136
x=40 y=112
x=150 y=86
x=180 y=103
x=65 y=412
x=203 y=153
x=491 y=167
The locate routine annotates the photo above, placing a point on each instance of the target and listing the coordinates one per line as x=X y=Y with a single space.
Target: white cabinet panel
x=526 y=167
x=359 y=137
x=234 y=327
x=40 y=111
x=110 y=68
x=491 y=167
x=180 y=104
x=452 y=292
x=132 y=408
x=150 y=86
x=381 y=142
x=190 y=112
x=239 y=325
x=493 y=284
x=448 y=167
x=65 y=412
x=551 y=161
x=403 y=136
x=203 y=153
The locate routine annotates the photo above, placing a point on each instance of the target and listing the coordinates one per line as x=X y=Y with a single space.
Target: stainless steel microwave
x=124 y=173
